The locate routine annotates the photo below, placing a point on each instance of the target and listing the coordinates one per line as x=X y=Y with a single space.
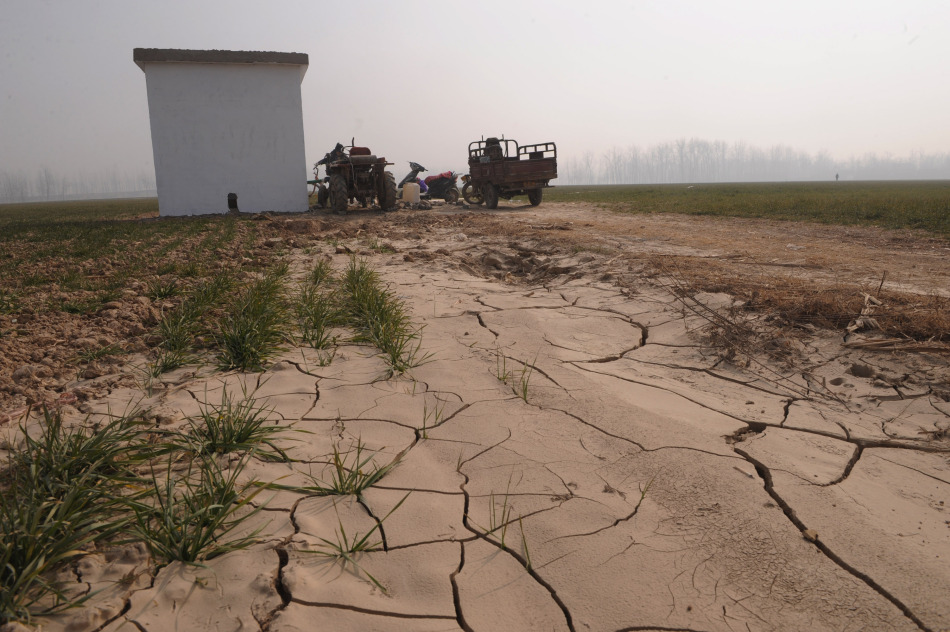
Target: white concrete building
x=226 y=122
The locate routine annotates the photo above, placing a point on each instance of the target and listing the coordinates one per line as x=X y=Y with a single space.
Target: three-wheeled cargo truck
x=500 y=168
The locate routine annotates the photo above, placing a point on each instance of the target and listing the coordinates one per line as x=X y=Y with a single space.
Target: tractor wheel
x=322 y=195
x=534 y=196
x=452 y=195
x=338 y=195
x=387 y=196
x=490 y=195
x=471 y=194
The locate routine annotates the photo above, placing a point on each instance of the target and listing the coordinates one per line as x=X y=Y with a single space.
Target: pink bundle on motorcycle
x=444 y=174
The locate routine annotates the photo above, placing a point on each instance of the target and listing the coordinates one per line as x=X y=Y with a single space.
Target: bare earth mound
x=627 y=423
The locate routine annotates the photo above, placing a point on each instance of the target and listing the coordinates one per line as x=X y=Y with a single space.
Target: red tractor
x=354 y=174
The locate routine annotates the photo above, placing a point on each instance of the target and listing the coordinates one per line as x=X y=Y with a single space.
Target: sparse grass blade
x=524 y=379
x=435 y=415
x=351 y=472
x=524 y=544
x=501 y=367
x=498 y=517
x=345 y=548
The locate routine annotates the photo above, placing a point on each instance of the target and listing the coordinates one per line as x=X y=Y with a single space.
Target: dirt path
x=577 y=454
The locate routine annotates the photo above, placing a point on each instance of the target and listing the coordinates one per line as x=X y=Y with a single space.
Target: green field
x=77 y=210
x=93 y=249
x=923 y=205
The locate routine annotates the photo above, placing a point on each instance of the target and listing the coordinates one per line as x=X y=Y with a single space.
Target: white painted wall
x=220 y=128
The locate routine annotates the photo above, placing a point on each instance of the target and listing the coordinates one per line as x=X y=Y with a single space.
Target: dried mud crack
x=766 y=477
x=612 y=432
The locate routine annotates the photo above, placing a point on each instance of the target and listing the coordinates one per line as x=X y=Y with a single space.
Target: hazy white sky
x=417 y=80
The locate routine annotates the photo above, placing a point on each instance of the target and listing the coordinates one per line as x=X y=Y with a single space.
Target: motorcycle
x=414 y=170
x=443 y=185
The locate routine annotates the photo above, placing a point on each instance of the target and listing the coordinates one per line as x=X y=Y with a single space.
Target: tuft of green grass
x=88 y=304
x=168 y=360
x=325 y=358
x=316 y=310
x=63 y=453
x=211 y=291
x=380 y=247
x=379 y=318
x=91 y=355
x=38 y=535
x=351 y=473
x=9 y=301
x=166 y=268
x=499 y=519
x=73 y=280
x=189 y=515
x=320 y=275
x=177 y=330
x=235 y=425
x=255 y=325
x=159 y=288
x=180 y=328
x=59 y=494
x=524 y=544
x=192 y=269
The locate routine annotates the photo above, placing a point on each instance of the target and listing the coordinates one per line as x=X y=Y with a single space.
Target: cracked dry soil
x=578 y=454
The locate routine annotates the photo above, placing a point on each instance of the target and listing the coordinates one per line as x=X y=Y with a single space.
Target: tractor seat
x=363 y=160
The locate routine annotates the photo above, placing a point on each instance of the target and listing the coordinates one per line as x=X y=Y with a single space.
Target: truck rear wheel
x=338 y=197
x=387 y=197
x=534 y=196
x=490 y=195
x=471 y=194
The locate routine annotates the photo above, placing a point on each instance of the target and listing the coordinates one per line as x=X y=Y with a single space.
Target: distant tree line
x=46 y=185
x=693 y=160
x=697 y=160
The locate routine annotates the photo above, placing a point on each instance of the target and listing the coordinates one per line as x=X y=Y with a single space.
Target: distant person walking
x=836 y=177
